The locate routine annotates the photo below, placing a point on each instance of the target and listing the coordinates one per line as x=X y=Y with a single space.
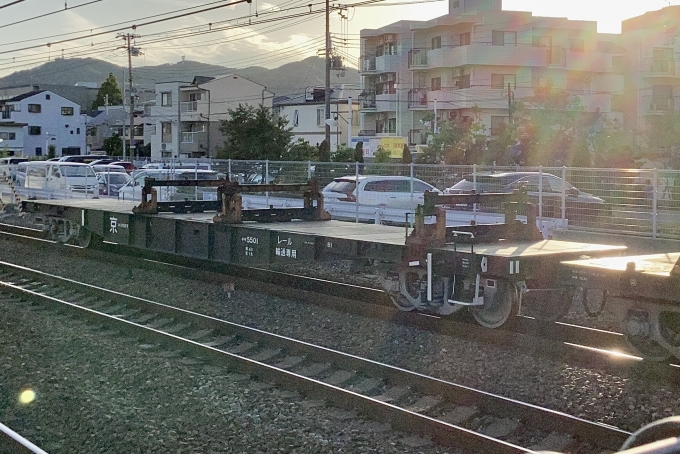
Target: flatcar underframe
x=491 y=270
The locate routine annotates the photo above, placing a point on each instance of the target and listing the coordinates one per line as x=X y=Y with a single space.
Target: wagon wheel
x=647 y=348
x=409 y=289
x=638 y=328
x=496 y=310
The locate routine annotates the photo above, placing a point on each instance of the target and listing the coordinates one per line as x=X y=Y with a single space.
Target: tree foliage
x=254 y=133
x=382 y=156
x=109 y=87
x=301 y=150
x=343 y=153
x=113 y=146
x=359 y=152
x=457 y=141
x=406 y=157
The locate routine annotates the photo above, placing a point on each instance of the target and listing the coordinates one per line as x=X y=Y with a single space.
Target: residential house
x=115 y=120
x=473 y=61
x=306 y=115
x=12 y=138
x=184 y=120
x=50 y=119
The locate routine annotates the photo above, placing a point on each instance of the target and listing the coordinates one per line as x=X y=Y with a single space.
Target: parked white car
x=133 y=189
x=57 y=176
x=375 y=190
x=8 y=166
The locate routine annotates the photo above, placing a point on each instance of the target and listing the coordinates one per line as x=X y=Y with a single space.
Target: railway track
x=449 y=414
x=575 y=343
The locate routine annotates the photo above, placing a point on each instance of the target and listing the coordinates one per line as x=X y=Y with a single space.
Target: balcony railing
x=417 y=98
x=663 y=66
x=557 y=56
x=367 y=63
x=367 y=100
x=662 y=105
x=417 y=58
x=190 y=106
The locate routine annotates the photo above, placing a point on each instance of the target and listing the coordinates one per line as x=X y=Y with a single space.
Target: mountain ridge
x=288 y=79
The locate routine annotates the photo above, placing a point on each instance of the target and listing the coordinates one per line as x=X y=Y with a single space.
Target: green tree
x=254 y=133
x=113 y=146
x=109 y=87
x=51 y=151
x=406 y=155
x=359 y=152
x=382 y=156
x=458 y=141
x=344 y=154
x=301 y=150
x=324 y=151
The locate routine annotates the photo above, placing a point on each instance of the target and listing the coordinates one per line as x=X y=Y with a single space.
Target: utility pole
x=328 y=73
x=509 y=105
x=128 y=37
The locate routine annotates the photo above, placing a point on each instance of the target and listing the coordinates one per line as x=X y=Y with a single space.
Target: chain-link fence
x=642 y=202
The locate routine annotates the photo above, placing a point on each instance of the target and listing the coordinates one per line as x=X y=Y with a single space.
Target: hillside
x=288 y=79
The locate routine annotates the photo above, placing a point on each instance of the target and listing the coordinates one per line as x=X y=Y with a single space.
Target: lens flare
x=27 y=396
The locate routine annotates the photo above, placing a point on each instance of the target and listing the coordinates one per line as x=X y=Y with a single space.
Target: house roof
x=25 y=95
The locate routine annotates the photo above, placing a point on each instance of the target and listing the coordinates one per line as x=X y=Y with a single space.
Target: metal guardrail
x=16 y=443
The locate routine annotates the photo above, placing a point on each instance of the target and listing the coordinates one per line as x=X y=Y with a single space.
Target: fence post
x=309 y=170
x=411 y=174
x=356 y=199
x=540 y=195
x=266 y=180
x=654 y=203
x=564 y=194
x=229 y=169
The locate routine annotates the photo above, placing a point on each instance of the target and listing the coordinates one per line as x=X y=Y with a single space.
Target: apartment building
x=184 y=120
x=50 y=120
x=476 y=59
x=652 y=79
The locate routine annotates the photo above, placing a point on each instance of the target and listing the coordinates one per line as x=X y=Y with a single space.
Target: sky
x=265 y=33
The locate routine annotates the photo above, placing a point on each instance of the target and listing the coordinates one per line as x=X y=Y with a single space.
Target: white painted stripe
x=416 y=263
x=512 y=267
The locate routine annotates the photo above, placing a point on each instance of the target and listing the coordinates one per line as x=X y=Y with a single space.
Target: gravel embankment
x=624 y=401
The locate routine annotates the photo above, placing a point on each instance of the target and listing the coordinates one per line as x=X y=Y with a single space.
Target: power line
x=49 y=14
x=11 y=3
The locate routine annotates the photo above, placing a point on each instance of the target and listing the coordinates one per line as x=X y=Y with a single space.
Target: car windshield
x=341 y=186
x=117 y=178
x=77 y=171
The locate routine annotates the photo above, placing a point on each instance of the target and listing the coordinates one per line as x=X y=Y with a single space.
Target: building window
x=437 y=42
x=48 y=97
x=502 y=81
x=462 y=81
x=503 y=38
x=34 y=108
x=577 y=45
x=34 y=130
x=194 y=97
x=38 y=152
x=67 y=110
x=436 y=83
x=166 y=99
x=166 y=132
x=541 y=41
x=541 y=82
x=465 y=39
x=8 y=135
x=320 y=116
x=498 y=125
x=77 y=130
x=296 y=118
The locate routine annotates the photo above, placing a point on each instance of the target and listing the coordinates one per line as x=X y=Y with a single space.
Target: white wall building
x=12 y=138
x=306 y=115
x=184 y=121
x=50 y=120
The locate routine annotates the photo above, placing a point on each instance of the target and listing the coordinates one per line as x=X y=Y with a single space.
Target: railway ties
x=447 y=413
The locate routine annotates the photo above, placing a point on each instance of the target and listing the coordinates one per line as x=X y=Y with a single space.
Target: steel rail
x=119 y=311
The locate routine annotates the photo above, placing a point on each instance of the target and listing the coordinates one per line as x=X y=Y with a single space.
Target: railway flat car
x=491 y=270
x=647 y=292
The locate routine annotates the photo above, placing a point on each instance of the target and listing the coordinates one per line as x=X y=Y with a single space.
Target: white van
x=133 y=189
x=56 y=176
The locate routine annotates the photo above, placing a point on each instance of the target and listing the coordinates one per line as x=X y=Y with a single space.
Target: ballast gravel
x=162 y=395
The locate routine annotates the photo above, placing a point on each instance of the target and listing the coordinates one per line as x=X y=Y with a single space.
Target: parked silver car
x=579 y=204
